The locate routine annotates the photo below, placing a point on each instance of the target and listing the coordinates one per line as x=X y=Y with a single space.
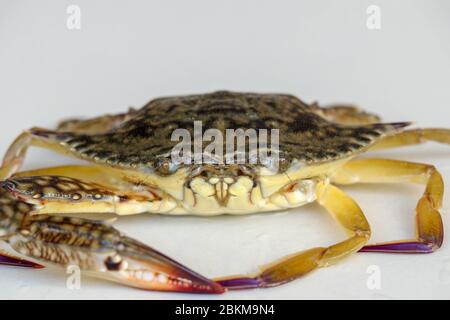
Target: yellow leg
x=38 y=137
x=346 y=212
x=413 y=137
x=347 y=115
x=430 y=230
x=96 y=125
x=15 y=155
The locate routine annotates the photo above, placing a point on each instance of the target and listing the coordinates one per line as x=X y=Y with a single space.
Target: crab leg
x=38 y=137
x=346 y=212
x=15 y=155
x=98 y=249
x=95 y=125
x=347 y=115
x=413 y=137
x=430 y=230
x=53 y=194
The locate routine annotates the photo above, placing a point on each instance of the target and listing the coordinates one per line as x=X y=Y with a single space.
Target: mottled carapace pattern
x=142 y=140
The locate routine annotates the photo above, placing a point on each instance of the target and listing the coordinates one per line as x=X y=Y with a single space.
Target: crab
x=47 y=215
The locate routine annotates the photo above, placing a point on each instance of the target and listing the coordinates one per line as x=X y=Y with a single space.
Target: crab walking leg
x=98 y=249
x=15 y=155
x=430 y=232
x=95 y=125
x=346 y=212
x=347 y=115
x=413 y=137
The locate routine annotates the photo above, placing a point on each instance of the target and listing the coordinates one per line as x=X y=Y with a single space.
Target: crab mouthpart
x=222 y=194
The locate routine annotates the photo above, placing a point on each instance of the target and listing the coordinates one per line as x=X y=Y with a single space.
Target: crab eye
x=165 y=166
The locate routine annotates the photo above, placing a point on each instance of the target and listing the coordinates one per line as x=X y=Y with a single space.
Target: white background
x=129 y=52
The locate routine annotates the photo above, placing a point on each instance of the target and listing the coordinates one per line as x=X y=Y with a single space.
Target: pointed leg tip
x=399 y=247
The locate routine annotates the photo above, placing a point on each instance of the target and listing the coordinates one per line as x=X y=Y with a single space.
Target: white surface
x=127 y=54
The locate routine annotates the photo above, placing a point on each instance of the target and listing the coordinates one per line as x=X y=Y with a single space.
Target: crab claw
x=96 y=247
x=101 y=251
x=138 y=265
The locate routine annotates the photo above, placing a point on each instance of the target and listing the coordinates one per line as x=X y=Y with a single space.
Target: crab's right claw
x=144 y=267
x=101 y=251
